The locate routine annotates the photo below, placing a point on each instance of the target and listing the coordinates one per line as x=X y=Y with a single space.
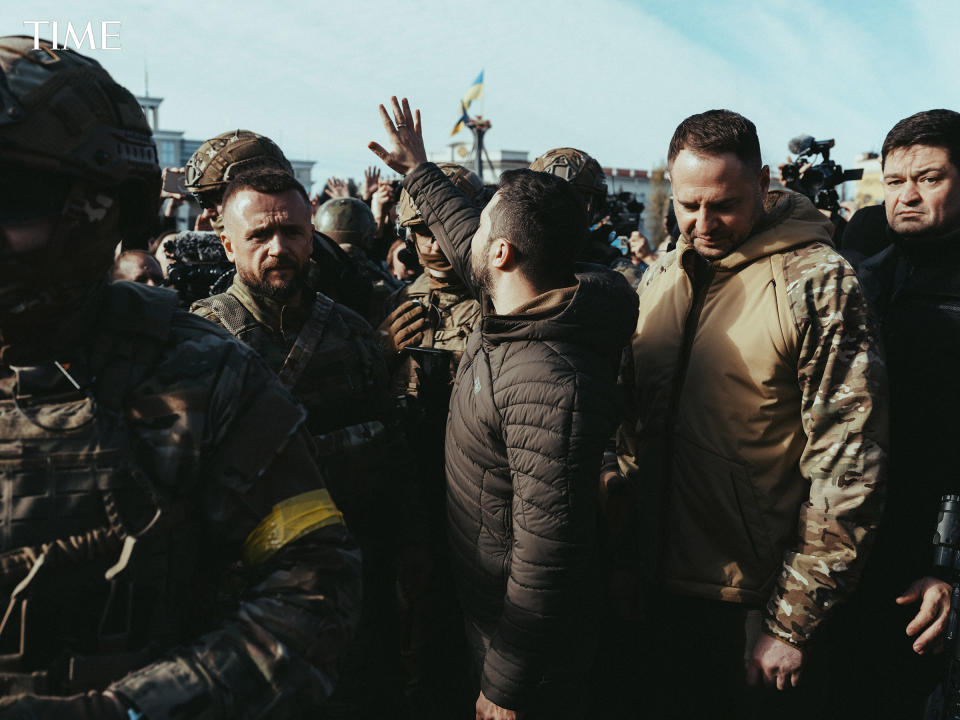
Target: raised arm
x=452 y=219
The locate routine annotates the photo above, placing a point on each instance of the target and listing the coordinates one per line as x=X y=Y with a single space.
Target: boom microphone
x=801 y=144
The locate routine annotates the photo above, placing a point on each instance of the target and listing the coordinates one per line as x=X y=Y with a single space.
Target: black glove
x=92 y=706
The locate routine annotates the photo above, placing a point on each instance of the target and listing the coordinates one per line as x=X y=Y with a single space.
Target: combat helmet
x=580 y=170
x=347 y=221
x=220 y=159
x=466 y=181
x=76 y=151
x=62 y=115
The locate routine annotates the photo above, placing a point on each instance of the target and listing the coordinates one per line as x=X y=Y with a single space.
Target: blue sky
x=613 y=77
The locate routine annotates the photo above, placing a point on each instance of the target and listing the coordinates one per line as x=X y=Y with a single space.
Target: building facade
x=174 y=150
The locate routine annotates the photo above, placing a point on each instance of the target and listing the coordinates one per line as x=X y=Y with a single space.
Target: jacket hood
x=791 y=221
x=602 y=314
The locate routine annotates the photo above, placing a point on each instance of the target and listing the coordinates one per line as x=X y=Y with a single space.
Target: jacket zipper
x=700 y=287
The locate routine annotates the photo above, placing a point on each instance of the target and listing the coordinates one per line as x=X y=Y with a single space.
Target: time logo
x=75 y=37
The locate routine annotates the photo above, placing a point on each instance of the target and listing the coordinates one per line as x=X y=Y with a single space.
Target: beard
x=276 y=289
x=481 y=276
x=480 y=270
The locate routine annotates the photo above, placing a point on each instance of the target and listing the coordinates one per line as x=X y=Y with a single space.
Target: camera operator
x=818 y=182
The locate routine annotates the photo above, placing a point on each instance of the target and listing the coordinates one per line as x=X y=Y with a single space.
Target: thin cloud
x=612 y=77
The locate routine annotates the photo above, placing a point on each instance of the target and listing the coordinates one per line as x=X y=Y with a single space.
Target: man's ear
x=227 y=247
x=503 y=254
x=764 y=180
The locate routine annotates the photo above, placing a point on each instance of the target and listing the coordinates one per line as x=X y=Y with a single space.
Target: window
x=168 y=153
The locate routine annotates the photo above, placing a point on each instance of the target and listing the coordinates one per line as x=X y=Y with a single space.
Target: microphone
x=801 y=144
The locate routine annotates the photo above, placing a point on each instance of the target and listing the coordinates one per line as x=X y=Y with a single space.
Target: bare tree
x=659 y=199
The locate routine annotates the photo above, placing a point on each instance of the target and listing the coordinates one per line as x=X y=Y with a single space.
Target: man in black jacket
x=913 y=286
x=532 y=408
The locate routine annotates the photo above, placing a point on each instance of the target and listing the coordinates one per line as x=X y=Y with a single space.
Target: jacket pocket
x=717 y=533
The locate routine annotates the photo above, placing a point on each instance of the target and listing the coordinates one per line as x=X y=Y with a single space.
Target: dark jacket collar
x=602 y=314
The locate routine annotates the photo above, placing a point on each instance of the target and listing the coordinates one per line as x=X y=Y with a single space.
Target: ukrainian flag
x=475 y=92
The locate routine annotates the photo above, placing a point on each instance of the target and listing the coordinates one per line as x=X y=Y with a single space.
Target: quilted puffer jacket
x=533 y=405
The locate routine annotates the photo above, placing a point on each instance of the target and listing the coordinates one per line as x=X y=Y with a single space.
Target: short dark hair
x=269 y=182
x=543 y=217
x=716 y=132
x=936 y=128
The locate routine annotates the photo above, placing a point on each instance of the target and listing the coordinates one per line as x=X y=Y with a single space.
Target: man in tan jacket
x=757 y=426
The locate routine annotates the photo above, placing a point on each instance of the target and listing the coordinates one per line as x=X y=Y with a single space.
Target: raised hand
x=383 y=200
x=371 y=179
x=406 y=138
x=338 y=188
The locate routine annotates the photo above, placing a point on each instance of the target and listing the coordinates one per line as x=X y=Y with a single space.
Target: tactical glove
x=403 y=327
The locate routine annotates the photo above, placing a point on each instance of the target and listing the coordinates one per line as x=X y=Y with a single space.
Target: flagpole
x=478 y=126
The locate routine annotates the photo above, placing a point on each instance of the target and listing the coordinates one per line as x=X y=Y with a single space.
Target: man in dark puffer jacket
x=532 y=408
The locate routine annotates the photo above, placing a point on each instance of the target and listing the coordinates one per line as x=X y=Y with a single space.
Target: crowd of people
x=426 y=447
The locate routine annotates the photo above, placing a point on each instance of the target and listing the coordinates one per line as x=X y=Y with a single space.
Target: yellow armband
x=289 y=520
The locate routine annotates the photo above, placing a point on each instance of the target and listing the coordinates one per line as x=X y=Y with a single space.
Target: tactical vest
x=456 y=314
x=341 y=382
x=83 y=529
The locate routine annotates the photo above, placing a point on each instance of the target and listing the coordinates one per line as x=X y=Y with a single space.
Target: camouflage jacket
x=457 y=314
x=758 y=426
x=179 y=481
x=345 y=389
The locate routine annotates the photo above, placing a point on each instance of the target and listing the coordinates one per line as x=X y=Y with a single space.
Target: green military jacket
x=166 y=530
x=344 y=388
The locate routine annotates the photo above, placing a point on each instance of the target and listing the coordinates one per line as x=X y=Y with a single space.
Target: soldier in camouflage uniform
x=586 y=175
x=328 y=357
x=436 y=311
x=234 y=152
x=425 y=334
x=168 y=548
x=757 y=430
x=351 y=225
